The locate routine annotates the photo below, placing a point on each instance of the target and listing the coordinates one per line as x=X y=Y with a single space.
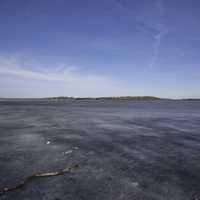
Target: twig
x=45 y=174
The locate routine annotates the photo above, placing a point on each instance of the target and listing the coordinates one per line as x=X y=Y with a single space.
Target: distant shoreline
x=116 y=98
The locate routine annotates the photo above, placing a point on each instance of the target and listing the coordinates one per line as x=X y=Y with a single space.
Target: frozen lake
x=126 y=150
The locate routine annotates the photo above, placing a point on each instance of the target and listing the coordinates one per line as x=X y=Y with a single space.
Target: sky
x=89 y=48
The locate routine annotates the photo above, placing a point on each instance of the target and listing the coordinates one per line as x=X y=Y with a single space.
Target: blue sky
x=100 y=48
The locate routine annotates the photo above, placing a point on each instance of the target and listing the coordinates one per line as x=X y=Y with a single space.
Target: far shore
x=129 y=98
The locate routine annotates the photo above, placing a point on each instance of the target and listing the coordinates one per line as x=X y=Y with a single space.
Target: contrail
x=160 y=27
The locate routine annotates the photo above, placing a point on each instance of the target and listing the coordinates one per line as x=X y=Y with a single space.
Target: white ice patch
x=68 y=152
x=48 y=142
x=135 y=184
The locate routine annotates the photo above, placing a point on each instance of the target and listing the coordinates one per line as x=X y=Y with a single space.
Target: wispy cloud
x=159 y=26
x=150 y=16
x=156 y=48
x=69 y=81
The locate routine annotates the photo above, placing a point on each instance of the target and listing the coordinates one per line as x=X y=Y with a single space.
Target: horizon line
x=99 y=97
